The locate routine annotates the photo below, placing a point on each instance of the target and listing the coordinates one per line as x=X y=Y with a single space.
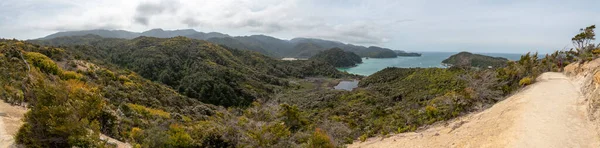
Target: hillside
x=215 y=74
x=407 y=54
x=338 y=57
x=165 y=88
x=550 y=113
x=103 y=86
x=267 y=45
x=159 y=33
x=182 y=92
x=475 y=60
x=86 y=98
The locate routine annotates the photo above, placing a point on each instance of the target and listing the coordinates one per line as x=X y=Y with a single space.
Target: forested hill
x=475 y=60
x=297 y=47
x=198 y=69
x=338 y=57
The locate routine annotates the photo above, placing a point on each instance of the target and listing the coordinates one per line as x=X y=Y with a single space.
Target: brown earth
x=550 y=113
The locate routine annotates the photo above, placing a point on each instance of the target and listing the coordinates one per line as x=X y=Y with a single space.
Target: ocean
x=427 y=59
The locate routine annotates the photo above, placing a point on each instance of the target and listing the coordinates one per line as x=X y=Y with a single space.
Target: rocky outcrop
x=587 y=77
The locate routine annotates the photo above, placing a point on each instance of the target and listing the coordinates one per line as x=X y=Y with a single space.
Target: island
x=406 y=54
x=467 y=59
x=338 y=57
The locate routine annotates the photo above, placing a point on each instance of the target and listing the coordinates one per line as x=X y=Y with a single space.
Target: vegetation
x=338 y=57
x=466 y=59
x=181 y=92
x=214 y=74
x=70 y=106
x=278 y=48
x=407 y=54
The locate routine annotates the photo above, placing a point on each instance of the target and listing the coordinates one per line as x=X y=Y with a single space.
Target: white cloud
x=475 y=25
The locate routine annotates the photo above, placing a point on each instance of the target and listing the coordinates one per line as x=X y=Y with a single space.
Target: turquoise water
x=347 y=85
x=428 y=59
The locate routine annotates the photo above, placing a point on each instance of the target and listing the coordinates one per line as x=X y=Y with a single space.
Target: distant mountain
x=274 y=47
x=103 y=33
x=158 y=33
x=475 y=60
x=338 y=57
x=407 y=54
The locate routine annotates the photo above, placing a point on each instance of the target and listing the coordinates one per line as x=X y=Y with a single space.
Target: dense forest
x=215 y=74
x=182 y=92
x=266 y=45
x=475 y=60
x=338 y=57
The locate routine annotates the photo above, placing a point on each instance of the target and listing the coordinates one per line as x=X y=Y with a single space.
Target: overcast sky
x=508 y=26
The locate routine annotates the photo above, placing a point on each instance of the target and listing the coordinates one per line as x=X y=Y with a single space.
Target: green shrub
x=44 y=63
x=525 y=81
x=123 y=79
x=148 y=111
x=66 y=75
x=431 y=111
x=178 y=137
x=320 y=139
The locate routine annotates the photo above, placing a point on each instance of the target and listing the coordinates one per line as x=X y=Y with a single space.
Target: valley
x=177 y=91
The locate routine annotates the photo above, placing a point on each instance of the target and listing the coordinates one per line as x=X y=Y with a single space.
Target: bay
x=426 y=60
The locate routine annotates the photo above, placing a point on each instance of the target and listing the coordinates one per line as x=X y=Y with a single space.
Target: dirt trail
x=10 y=121
x=548 y=114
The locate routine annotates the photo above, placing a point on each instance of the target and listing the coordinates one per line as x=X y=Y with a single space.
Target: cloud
x=191 y=22
x=146 y=10
x=513 y=25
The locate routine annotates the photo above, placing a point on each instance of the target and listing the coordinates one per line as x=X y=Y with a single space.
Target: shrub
x=66 y=75
x=44 y=63
x=178 y=137
x=292 y=117
x=67 y=116
x=123 y=79
x=525 y=81
x=136 y=134
x=148 y=111
x=320 y=139
x=431 y=111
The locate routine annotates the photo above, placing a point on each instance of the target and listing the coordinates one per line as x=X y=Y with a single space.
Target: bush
x=525 y=81
x=320 y=139
x=148 y=111
x=66 y=75
x=178 y=137
x=64 y=113
x=44 y=63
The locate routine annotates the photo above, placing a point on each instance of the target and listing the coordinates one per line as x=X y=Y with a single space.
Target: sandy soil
x=548 y=114
x=10 y=121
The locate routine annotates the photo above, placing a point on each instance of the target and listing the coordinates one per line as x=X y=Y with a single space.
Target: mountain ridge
x=264 y=44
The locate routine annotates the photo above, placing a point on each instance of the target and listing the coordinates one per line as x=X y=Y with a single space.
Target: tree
x=584 y=39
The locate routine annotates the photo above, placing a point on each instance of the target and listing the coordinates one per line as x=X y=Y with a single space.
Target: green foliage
x=178 y=137
x=466 y=59
x=210 y=73
x=292 y=117
x=320 y=139
x=62 y=115
x=525 y=81
x=583 y=42
x=44 y=63
x=66 y=75
x=148 y=112
x=338 y=58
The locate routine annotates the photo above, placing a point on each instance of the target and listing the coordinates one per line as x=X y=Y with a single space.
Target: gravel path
x=548 y=114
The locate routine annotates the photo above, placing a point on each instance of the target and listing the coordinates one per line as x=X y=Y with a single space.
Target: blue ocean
x=428 y=59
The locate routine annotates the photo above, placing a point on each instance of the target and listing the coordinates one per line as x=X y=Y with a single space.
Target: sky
x=490 y=26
